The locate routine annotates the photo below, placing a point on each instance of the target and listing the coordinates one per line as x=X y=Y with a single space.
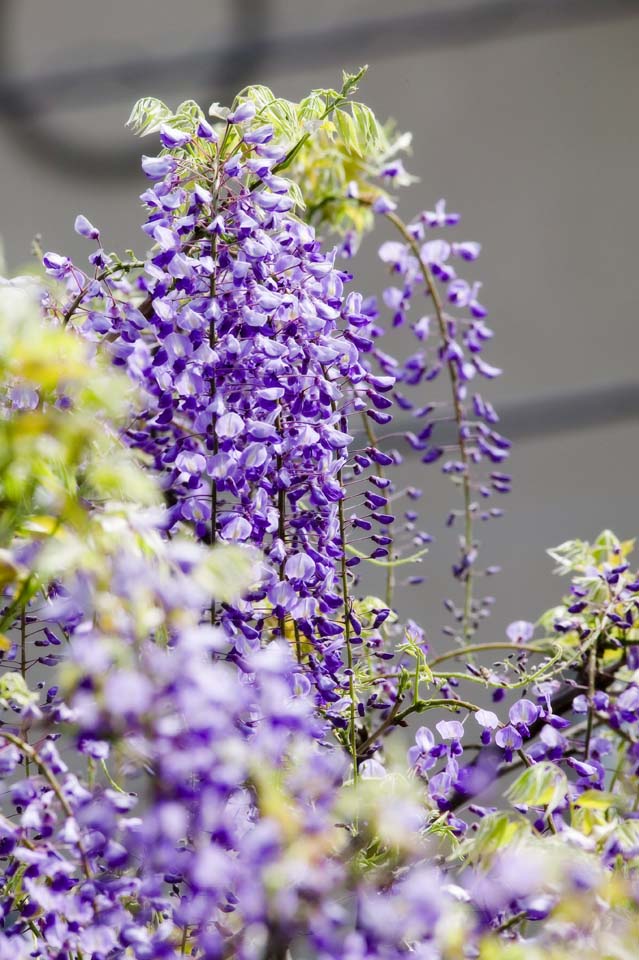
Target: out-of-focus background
x=524 y=116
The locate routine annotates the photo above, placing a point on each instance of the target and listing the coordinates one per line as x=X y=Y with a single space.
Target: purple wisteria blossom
x=198 y=693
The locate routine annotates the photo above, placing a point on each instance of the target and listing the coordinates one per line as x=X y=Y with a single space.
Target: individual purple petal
x=439 y=217
x=229 y=425
x=467 y=250
x=440 y=787
x=520 y=631
x=372 y=769
x=236 y=529
x=384 y=204
x=523 y=712
x=487 y=719
x=299 y=567
x=424 y=739
x=337 y=439
x=486 y=369
x=245 y=111
x=57 y=266
x=170 y=137
x=450 y=729
x=127 y=693
x=205 y=131
x=156 y=168
x=508 y=738
x=85 y=228
x=393 y=252
x=260 y=135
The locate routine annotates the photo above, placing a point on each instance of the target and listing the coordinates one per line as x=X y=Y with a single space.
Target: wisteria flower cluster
x=216 y=741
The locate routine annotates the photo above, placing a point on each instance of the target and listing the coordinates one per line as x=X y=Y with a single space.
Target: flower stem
x=419 y=706
x=347 y=635
x=23 y=671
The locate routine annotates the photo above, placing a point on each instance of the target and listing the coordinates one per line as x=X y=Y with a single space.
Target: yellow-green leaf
x=597 y=800
x=542 y=785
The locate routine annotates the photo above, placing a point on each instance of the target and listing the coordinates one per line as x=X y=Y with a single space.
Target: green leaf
x=187 y=116
x=281 y=113
x=217 y=111
x=261 y=95
x=228 y=572
x=569 y=556
x=576 y=555
x=296 y=195
x=122 y=479
x=597 y=800
x=10 y=570
x=494 y=832
x=368 y=129
x=311 y=107
x=351 y=80
x=627 y=836
x=148 y=115
x=542 y=785
x=347 y=130
x=14 y=689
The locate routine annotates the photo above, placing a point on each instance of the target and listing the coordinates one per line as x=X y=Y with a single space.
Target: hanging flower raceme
x=247 y=351
x=259 y=371
x=461 y=435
